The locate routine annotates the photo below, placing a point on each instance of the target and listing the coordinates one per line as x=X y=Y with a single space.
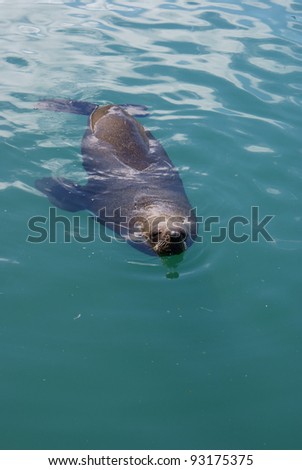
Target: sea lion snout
x=168 y=242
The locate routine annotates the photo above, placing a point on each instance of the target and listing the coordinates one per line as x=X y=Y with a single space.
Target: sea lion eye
x=177 y=236
x=155 y=236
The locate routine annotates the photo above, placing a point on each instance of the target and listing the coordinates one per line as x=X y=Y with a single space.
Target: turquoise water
x=101 y=348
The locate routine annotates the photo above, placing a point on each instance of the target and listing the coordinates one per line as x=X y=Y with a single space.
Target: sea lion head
x=168 y=239
x=166 y=229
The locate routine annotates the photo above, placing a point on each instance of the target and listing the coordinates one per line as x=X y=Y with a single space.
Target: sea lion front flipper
x=63 y=193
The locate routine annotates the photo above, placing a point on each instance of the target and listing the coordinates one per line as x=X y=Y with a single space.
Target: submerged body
x=132 y=183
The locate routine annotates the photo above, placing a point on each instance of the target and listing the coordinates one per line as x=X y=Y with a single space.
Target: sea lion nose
x=175 y=242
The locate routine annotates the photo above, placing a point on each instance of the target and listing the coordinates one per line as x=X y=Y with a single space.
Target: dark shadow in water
x=171 y=263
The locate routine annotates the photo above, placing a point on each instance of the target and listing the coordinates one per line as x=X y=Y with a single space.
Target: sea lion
x=132 y=183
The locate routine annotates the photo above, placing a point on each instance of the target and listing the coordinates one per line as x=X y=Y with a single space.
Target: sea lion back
x=126 y=137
